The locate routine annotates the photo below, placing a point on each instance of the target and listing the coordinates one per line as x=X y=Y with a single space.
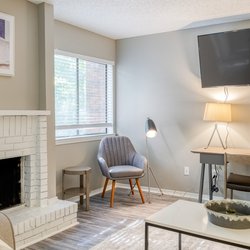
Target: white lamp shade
x=218 y=112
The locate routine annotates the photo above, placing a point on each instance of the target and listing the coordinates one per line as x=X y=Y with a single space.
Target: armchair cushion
x=125 y=171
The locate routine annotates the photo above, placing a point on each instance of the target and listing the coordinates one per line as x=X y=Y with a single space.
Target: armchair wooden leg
x=232 y=194
x=140 y=191
x=104 y=187
x=112 y=194
x=131 y=186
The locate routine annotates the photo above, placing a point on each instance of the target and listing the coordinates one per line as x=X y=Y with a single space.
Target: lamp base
x=216 y=130
x=149 y=170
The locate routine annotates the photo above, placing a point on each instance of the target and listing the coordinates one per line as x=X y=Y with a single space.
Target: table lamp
x=217 y=112
x=151 y=132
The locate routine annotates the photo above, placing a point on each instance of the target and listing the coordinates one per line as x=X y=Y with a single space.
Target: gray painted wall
x=72 y=39
x=32 y=86
x=80 y=41
x=46 y=90
x=158 y=77
x=21 y=91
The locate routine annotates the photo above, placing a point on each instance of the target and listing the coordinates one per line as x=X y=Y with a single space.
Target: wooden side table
x=84 y=173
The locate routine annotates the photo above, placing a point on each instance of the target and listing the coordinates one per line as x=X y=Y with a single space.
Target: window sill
x=81 y=139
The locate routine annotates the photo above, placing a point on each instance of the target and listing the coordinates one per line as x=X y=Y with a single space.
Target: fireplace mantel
x=24 y=112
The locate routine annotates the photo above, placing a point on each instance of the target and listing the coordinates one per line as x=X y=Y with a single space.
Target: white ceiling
x=129 y=18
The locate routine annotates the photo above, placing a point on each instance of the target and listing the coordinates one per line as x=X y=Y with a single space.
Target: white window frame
x=86 y=138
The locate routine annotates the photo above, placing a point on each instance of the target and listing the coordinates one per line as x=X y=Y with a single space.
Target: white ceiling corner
x=119 y=19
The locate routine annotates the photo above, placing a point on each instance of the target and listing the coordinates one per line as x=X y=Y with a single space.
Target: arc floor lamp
x=151 y=132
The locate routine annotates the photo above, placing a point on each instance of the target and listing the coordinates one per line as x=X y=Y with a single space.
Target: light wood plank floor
x=101 y=221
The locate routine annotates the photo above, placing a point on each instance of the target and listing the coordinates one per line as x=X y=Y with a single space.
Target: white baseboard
x=174 y=193
x=169 y=192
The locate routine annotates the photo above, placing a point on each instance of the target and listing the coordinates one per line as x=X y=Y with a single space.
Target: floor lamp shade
x=218 y=112
x=150 y=128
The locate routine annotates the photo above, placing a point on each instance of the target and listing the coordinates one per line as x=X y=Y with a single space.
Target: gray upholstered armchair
x=118 y=160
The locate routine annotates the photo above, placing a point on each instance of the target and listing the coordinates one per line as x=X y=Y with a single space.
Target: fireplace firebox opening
x=10 y=182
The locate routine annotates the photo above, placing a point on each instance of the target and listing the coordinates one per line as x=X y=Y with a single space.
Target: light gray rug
x=132 y=237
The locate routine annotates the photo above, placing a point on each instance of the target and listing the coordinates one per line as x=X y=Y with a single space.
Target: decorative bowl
x=229 y=213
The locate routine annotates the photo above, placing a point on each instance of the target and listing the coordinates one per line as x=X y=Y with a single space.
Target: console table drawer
x=216 y=159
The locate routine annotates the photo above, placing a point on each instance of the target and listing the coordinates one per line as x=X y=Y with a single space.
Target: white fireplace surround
x=26 y=136
x=23 y=133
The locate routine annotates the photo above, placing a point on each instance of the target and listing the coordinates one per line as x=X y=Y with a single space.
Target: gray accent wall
x=158 y=76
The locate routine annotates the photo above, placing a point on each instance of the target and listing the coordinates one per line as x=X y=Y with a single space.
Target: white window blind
x=83 y=97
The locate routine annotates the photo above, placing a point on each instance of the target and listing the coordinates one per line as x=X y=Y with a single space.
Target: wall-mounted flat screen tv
x=225 y=58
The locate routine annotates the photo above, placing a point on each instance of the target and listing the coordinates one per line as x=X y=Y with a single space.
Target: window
x=83 y=96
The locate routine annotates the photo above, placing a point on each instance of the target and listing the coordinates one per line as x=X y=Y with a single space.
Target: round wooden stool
x=84 y=173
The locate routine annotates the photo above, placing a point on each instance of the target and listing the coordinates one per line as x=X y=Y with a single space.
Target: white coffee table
x=190 y=218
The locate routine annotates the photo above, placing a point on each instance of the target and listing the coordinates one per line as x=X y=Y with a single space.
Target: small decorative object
x=6 y=44
x=229 y=213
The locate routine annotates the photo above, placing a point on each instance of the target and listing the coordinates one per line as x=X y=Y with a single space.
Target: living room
x=156 y=76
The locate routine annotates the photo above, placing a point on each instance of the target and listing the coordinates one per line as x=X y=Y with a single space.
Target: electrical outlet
x=186 y=170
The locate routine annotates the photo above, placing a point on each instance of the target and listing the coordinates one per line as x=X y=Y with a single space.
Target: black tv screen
x=225 y=58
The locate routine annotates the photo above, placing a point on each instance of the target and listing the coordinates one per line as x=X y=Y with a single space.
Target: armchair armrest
x=140 y=161
x=103 y=166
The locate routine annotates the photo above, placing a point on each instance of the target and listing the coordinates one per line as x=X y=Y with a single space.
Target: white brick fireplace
x=24 y=134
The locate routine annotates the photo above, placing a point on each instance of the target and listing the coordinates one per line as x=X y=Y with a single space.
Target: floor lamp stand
x=150 y=171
